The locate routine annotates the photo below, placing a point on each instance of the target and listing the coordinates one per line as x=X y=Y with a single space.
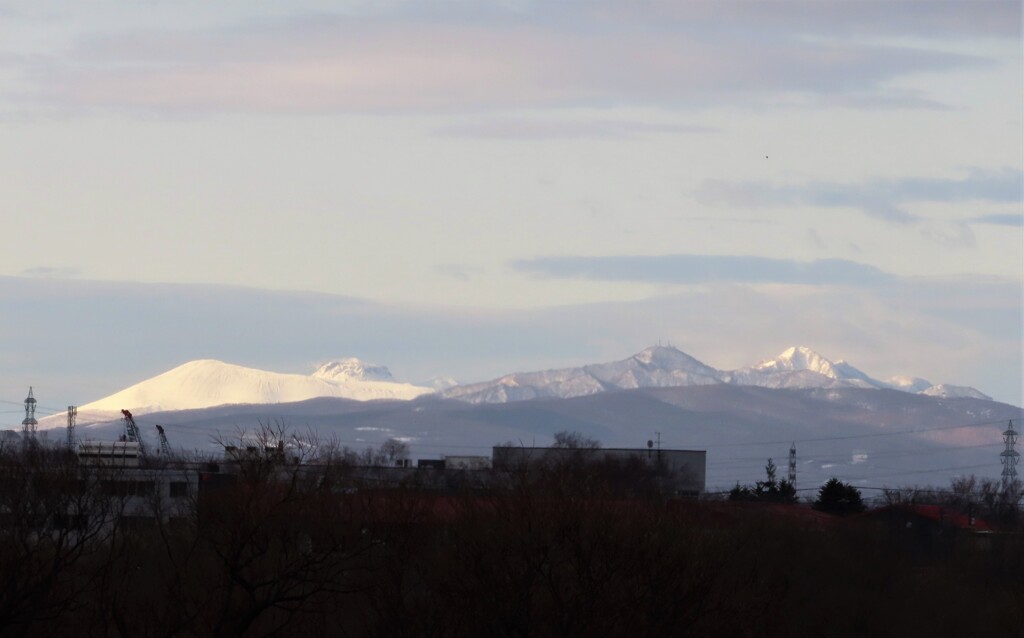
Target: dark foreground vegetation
x=310 y=549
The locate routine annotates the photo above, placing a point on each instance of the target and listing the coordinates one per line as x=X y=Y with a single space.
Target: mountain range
x=209 y=383
x=798 y=367
x=845 y=423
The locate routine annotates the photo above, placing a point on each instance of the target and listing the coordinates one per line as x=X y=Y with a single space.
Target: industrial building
x=683 y=471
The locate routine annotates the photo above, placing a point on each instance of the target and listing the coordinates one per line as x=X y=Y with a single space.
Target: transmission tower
x=30 y=423
x=1009 y=456
x=792 y=464
x=72 y=413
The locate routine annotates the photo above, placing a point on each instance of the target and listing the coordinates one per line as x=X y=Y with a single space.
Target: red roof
x=940 y=514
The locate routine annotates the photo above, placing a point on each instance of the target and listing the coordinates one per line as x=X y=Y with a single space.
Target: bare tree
x=575 y=441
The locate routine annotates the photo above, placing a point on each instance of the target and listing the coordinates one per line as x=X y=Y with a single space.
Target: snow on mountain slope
x=801 y=367
x=655 y=367
x=909 y=384
x=797 y=367
x=352 y=369
x=947 y=391
x=206 y=383
x=798 y=358
x=441 y=382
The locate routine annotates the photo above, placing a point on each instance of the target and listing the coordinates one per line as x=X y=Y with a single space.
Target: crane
x=165 y=447
x=132 y=431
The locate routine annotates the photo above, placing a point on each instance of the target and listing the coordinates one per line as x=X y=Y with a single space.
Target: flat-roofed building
x=684 y=471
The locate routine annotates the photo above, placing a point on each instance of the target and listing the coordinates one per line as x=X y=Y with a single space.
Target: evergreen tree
x=836 y=497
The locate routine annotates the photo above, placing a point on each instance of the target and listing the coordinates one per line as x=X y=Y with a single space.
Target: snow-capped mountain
x=797 y=367
x=207 y=383
x=908 y=384
x=655 y=367
x=801 y=367
x=947 y=391
x=442 y=382
x=352 y=369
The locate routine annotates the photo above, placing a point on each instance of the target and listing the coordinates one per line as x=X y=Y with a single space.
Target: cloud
x=460 y=272
x=51 y=271
x=950 y=235
x=535 y=129
x=699 y=269
x=942 y=19
x=1008 y=219
x=882 y=199
x=401 y=62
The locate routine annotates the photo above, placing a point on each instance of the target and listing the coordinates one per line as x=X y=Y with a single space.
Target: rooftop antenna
x=72 y=413
x=1009 y=456
x=30 y=423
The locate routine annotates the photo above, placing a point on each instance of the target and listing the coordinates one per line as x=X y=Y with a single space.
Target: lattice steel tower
x=792 y=464
x=72 y=413
x=30 y=423
x=1009 y=456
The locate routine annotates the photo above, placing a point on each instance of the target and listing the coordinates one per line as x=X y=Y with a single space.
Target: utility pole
x=792 y=464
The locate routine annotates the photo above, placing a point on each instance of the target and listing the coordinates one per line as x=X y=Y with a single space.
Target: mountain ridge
x=797 y=367
x=206 y=383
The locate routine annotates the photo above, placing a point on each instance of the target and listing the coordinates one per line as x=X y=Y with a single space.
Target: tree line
x=301 y=544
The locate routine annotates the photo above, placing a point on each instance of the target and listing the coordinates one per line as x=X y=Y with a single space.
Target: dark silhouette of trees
x=837 y=497
x=770 y=490
x=293 y=539
x=573 y=440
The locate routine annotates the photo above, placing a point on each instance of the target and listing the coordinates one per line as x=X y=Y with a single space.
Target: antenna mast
x=30 y=423
x=1009 y=456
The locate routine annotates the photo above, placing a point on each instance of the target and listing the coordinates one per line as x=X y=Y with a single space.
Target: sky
x=475 y=188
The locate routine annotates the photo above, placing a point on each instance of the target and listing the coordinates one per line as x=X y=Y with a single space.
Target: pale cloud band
x=885 y=199
x=574 y=57
x=1009 y=219
x=699 y=269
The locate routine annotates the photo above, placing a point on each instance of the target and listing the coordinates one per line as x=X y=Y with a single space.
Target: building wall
x=685 y=469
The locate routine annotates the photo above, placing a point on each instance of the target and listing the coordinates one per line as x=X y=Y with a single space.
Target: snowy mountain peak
x=352 y=369
x=799 y=358
x=663 y=356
